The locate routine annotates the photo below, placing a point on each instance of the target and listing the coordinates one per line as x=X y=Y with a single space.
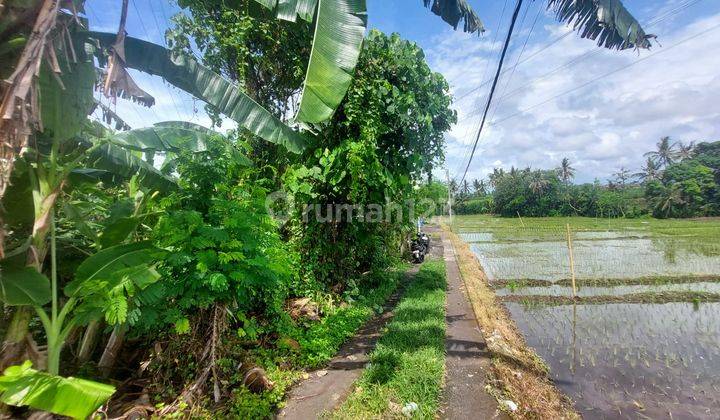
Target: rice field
x=642 y=338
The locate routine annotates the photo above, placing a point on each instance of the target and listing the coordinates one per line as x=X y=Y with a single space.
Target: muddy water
x=631 y=360
x=629 y=257
x=658 y=361
x=557 y=290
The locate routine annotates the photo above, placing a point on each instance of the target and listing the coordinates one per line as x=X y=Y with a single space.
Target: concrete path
x=467 y=358
x=327 y=388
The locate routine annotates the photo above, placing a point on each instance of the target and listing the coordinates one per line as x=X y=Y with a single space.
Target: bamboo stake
x=572 y=260
x=521 y=221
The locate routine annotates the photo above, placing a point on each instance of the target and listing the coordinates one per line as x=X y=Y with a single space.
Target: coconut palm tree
x=538 y=183
x=650 y=172
x=665 y=153
x=479 y=187
x=496 y=176
x=622 y=176
x=566 y=171
x=465 y=189
x=672 y=199
x=685 y=151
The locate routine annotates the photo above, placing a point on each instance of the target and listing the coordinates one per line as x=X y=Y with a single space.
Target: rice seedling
x=642 y=339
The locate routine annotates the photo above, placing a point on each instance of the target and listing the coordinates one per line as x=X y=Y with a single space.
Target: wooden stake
x=572 y=260
x=521 y=221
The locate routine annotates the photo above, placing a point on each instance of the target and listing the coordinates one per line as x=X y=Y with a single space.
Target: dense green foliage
x=677 y=181
x=385 y=136
x=688 y=187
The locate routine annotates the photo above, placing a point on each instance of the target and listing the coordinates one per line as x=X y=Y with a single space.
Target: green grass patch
x=606 y=282
x=320 y=342
x=408 y=362
x=646 y=297
x=315 y=344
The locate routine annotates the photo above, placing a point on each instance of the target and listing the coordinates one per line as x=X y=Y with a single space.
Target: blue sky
x=602 y=109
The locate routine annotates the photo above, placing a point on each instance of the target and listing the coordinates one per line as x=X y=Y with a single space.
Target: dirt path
x=467 y=360
x=325 y=389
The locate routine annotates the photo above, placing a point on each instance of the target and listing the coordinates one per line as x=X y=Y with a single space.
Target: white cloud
x=607 y=124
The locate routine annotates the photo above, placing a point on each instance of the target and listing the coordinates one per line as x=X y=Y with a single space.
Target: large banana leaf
x=290 y=9
x=114 y=262
x=339 y=33
x=606 y=21
x=23 y=286
x=171 y=136
x=72 y=397
x=67 y=98
x=124 y=163
x=453 y=11
x=187 y=74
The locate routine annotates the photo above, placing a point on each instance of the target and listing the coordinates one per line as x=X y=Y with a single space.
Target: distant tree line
x=677 y=180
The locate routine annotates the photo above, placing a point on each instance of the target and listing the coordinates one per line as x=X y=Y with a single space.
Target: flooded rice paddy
x=658 y=358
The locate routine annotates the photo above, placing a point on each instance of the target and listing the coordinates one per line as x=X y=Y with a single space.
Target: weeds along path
x=326 y=388
x=467 y=360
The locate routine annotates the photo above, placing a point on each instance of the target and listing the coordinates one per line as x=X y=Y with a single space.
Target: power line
x=527 y=39
x=653 y=21
x=587 y=55
x=484 y=73
x=494 y=85
x=609 y=73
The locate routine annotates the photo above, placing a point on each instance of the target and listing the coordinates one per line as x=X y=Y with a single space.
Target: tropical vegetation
x=162 y=239
x=677 y=180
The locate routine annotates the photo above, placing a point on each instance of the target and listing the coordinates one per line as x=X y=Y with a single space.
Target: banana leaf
x=187 y=74
x=73 y=397
x=164 y=137
x=23 y=286
x=114 y=262
x=454 y=11
x=337 y=43
x=124 y=163
x=607 y=21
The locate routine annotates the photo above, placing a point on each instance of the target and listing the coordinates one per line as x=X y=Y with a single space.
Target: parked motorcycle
x=419 y=247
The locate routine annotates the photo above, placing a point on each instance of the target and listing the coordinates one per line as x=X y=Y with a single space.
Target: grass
x=518 y=373
x=647 y=297
x=408 y=362
x=608 y=282
x=312 y=346
x=320 y=342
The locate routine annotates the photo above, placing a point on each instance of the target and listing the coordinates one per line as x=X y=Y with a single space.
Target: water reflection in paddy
x=609 y=258
x=630 y=360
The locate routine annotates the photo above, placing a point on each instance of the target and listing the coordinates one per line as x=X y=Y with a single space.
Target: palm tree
x=479 y=187
x=671 y=199
x=622 y=176
x=465 y=191
x=650 y=172
x=665 y=153
x=685 y=151
x=496 y=176
x=538 y=183
x=566 y=171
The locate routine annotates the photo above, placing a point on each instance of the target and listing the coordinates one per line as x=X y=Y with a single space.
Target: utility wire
x=494 y=85
x=574 y=61
x=474 y=127
x=656 y=20
x=609 y=73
